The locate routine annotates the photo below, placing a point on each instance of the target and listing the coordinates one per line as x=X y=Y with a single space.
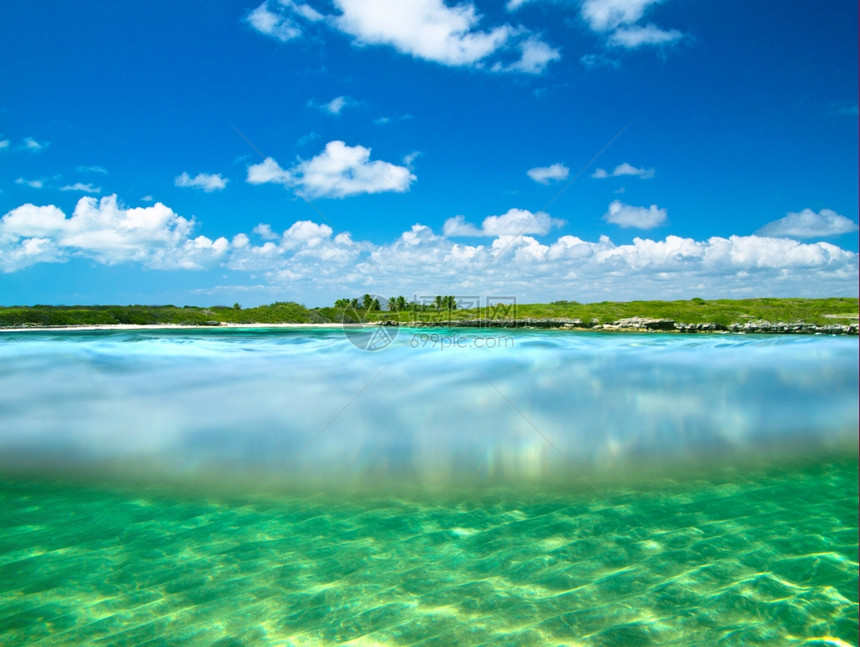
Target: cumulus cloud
x=317 y=265
x=547 y=174
x=426 y=29
x=624 y=169
x=209 y=182
x=338 y=171
x=606 y=15
x=267 y=172
x=342 y=170
x=420 y=261
x=80 y=186
x=106 y=232
x=809 y=224
x=512 y=223
x=618 y=21
x=626 y=216
x=265 y=232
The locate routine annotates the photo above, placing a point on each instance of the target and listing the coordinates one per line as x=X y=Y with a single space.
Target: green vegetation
x=719 y=311
x=150 y=315
x=442 y=309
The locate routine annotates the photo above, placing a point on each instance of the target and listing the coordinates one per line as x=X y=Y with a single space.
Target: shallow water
x=288 y=488
x=767 y=557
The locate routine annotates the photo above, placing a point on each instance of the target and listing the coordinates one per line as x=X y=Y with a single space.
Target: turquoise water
x=287 y=488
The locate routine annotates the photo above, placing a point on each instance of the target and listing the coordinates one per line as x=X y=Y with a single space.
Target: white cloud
x=267 y=172
x=625 y=215
x=106 y=232
x=335 y=105
x=342 y=170
x=265 y=232
x=316 y=265
x=31 y=144
x=535 y=55
x=271 y=20
x=546 y=174
x=628 y=169
x=606 y=15
x=209 y=182
x=4 y=144
x=305 y=11
x=457 y=226
x=80 y=186
x=513 y=223
x=92 y=169
x=33 y=184
x=337 y=172
x=809 y=224
x=425 y=29
x=636 y=36
x=624 y=169
x=322 y=267
x=617 y=20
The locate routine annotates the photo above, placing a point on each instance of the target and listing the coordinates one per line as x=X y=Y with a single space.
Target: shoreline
x=634 y=325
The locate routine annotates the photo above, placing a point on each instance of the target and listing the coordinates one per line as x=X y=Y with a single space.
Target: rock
x=660 y=324
x=640 y=323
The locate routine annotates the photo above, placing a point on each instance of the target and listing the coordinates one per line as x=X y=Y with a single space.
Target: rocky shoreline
x=640 y=324
x=632 y=324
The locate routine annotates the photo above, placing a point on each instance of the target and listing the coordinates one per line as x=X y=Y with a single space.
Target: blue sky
x=203 y=153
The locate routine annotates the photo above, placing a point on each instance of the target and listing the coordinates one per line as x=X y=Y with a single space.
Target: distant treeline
x=441 y=309
x=369 y=303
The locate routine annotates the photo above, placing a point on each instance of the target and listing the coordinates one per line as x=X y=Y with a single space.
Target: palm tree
x=392 y=304
x=401 y=303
